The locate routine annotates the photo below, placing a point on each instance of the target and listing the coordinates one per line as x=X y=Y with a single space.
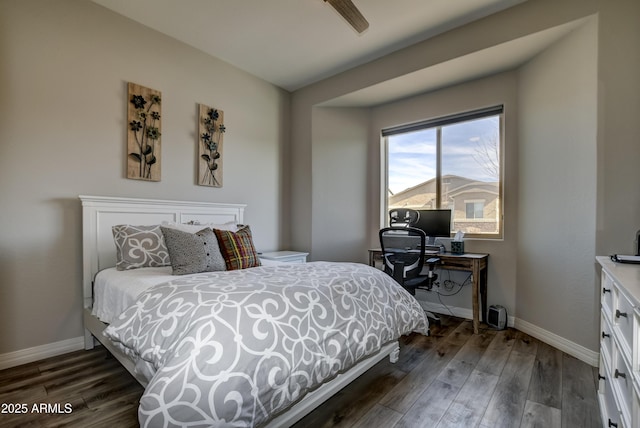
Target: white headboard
x=100 y=213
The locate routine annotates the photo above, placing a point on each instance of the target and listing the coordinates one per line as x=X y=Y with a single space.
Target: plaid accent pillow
x=237 y=248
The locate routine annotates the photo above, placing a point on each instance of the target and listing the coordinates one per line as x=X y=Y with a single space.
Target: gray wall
x=63 y=103
x=339 y=223
x=618 y=126
x=607 y=104
x=557 y=132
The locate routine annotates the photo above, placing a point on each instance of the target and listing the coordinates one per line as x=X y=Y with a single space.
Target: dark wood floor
x=449 y=379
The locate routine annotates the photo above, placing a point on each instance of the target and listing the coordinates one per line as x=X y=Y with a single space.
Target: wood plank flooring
x=449 y=379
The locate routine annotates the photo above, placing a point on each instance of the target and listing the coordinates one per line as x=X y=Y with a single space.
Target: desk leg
x=483 y=293
x=475 y=271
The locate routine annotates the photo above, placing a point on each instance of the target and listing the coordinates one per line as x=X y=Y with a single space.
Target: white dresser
x=619 y=386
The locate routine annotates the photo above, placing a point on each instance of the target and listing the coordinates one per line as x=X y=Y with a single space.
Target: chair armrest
x=398 y=272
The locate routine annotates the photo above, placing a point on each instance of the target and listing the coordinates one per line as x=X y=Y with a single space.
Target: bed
x=216 y=355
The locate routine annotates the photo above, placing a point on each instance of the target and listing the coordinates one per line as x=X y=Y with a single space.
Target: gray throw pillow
x=139 y=246
x=193 y=252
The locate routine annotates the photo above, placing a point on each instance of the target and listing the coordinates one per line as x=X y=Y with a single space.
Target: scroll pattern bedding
x=235 y=348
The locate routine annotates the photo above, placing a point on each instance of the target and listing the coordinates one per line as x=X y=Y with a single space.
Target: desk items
x=457 y=244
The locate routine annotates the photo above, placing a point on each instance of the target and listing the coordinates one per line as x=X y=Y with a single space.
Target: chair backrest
x=403 y=217
x=402 y=247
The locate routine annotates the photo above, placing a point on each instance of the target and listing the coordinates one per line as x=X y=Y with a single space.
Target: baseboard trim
x=578 y=351
x=29 y=355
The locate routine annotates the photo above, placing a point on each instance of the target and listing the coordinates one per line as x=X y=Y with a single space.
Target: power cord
x=449 y=285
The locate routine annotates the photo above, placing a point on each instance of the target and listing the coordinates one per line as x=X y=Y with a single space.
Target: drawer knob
x=613 y=424
x=605 y=335
x=618 y=374
x=620 y=314
x=600 y=377
x=606 y=290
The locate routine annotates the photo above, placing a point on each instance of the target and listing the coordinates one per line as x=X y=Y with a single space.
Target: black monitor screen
x=435 y=223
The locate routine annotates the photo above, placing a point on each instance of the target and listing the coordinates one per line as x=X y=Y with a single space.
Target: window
x=453 y=162
x=474 y=209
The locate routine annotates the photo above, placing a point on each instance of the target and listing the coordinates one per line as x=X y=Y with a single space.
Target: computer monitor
x=434 y=223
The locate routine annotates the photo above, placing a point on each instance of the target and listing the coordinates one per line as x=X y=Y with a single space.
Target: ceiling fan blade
x=350 y=12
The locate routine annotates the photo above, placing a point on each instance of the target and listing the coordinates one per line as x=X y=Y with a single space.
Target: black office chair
x=403 y=257
x=403 y=217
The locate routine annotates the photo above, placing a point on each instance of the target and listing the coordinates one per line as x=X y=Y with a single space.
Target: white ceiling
x=292 y=43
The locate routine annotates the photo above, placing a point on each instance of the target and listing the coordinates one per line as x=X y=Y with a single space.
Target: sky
x=412 y=156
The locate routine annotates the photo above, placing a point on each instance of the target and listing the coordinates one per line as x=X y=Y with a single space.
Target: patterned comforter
x=235 y=348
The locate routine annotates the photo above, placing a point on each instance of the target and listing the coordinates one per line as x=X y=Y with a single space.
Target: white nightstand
x=285 y=256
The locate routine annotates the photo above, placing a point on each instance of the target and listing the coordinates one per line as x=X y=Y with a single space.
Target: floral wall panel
x=210 y=134
x=143 y=135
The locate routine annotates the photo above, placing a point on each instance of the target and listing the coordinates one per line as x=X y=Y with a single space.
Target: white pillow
x=193 y=228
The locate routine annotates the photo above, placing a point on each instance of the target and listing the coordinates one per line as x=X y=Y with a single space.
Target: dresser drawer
x=635 y=352
x=635 y=412
x=622 y=382
x=609 y=411
x=606 y=294
x=606 y=336
x=623 y=319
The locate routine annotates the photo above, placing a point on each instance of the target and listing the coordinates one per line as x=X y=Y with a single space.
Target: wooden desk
x=468 y=262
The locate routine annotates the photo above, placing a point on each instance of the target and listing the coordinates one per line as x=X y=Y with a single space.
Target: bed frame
x=100 y=213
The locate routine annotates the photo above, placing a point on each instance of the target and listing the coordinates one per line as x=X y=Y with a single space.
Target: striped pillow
x=237 y=248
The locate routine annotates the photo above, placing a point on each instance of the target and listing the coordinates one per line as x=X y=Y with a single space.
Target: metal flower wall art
x=211 y=130
x=143 y=136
